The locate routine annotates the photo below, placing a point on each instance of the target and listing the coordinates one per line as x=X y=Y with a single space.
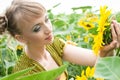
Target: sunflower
x=98 y=39
x=19 y=47
x=69 y=41
x=86 y=24
x=91 y=17
x=87 y=74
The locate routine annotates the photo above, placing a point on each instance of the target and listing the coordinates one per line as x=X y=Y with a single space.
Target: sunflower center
x=88 y=25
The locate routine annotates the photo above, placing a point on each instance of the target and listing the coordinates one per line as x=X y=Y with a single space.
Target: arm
x=79 y=55
x=83 y=56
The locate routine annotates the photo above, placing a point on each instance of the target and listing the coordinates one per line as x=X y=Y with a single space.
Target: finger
x=110 y=47
x=114 y=21
x=117 y=28
x=114 y=35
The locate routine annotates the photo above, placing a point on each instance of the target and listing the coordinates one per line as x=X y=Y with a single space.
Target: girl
x=27 y=21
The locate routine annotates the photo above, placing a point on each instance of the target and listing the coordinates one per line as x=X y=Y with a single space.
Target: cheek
x=37 y=38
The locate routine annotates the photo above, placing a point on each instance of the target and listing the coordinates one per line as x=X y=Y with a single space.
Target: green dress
x=56 y=51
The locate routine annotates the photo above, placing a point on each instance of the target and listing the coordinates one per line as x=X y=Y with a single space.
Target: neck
x=35 y=53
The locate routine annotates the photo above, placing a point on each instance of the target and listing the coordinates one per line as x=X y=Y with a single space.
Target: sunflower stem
x=118 y=50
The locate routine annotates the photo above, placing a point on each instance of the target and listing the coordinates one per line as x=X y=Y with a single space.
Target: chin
x=51 y=41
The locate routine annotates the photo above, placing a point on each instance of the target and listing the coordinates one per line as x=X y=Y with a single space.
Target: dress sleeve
x=59 y=45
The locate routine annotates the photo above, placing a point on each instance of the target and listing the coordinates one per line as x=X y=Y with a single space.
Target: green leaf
x=108 y=68
x=117 y=16
x=83 y=7
x=56 y=5
x=46 y=75
x=59 y=23
x=15 y=75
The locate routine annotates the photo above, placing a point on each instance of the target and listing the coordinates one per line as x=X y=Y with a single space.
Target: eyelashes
x=37 y=28
x=47 y=19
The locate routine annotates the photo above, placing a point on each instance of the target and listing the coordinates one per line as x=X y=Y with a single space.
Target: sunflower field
x=88 y=29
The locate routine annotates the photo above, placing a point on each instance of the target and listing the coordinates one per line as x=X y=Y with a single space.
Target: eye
x=47 y=19
x=37 y=28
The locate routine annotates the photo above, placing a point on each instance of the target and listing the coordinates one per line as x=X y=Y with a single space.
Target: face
x=38 y=31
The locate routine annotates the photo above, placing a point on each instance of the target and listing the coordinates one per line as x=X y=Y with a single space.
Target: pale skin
x=38 y=33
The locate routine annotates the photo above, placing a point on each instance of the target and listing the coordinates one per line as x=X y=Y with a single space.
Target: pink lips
x=49 y=38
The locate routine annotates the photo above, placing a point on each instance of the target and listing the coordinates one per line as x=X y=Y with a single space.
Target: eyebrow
x=46 y=16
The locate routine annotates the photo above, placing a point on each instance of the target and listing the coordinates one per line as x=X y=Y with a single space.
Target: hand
x=108 y=50
x=116 y=31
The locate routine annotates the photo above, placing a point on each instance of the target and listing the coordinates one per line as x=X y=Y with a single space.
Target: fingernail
x=114 y=21
x=112 y=25
x=115 y=41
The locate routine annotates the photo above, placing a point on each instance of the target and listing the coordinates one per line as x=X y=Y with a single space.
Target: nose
x=48 y=29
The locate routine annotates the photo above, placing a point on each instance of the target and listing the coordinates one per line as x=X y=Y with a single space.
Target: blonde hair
x=20 y=12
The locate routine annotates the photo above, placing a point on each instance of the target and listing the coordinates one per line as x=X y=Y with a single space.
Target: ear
x=20 y=38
